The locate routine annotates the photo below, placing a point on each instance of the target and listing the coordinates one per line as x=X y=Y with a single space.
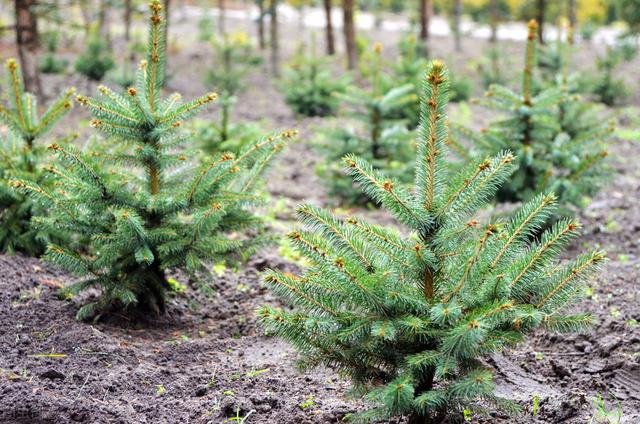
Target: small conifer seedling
x=50 y=62
x=21 y=157
x=409 y=316
x=409 y=69
x=582 y=128
x=383 y=137
x=491 y=68
x=549 y=159
x=309 y=85
x=234 y=57
x=147 y=207
x=96 y=60
x=604 y=85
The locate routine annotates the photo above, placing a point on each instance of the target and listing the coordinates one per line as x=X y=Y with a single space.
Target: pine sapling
x=50 y=62
x=410 y=315
x=549 y=159
x=383 y=138
x=21 y=157
x=491 y=68
x=96 y=60
x=409 y=69
x=582 y=131
x=553 y=57
x=147 y=207
x=234 y=58
x=309 y=85
x=605 y=86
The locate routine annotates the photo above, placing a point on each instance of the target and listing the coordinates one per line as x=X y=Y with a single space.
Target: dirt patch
x=205 y=361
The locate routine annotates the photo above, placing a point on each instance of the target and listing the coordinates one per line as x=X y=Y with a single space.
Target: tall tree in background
x=261 y=37
x=457 y=30
x=331 y=43
x=541 y=9
x=222 y=17
x=349 y=33
x=275 y=42
x=27 y=43
x=103 y=22
x=494 y=11
x=628 y=11
x=128 y=9
x=425 y=16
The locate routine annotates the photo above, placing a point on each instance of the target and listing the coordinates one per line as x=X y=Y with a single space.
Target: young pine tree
x=50 y=63
x=604 y=85
x=147 y=207
x=409 y=69
x=96 y=60
x=234 y=57
x=580 y=124
x=21 y=154
x=549 y=159
x=552 y=58
x=309 y=85
x=410 y=317
x=490 y=67
x=383 y=137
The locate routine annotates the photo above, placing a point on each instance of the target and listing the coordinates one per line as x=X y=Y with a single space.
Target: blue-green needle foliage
x=148 y=207
x=551 y=156
x=408 y=316
x=21 y=157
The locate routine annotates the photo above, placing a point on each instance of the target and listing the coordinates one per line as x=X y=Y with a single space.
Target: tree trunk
x=425 y=15
x=349 y=33
x=424 y=20
x=275 y=45
x=493 y=20
x=457 y=30
x=571 y=14
x=101 y=15
x=128 y=8
x=103 y=22
x=425 y=386
x=27 y=44
x=331 y=42
x=541 y=13
x=222 y=17
x=261 y=38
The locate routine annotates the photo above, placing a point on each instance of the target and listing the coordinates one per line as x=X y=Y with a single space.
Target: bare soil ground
x=207 y=361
